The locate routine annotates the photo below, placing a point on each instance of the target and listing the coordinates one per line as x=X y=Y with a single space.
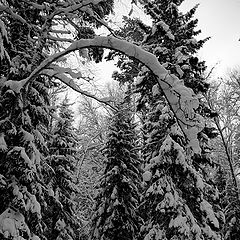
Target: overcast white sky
x=219 y=19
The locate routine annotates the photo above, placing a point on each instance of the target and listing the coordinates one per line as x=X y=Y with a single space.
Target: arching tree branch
x=182 y=100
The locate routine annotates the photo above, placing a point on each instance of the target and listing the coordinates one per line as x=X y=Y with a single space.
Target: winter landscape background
x=119 y=120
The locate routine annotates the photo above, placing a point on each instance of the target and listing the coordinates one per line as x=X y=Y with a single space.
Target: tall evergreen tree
x=23 y=120
x=180 y=199
x=62 y=182
x=116 y=214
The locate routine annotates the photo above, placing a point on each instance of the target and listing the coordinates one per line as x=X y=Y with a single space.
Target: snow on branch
x=97 y=18
x=59 y=73
x=58 y=39
x=73 y=8
x=12 y=223
x=3 y=35
x=58 y=69
x=14 y=15
x=182 y=100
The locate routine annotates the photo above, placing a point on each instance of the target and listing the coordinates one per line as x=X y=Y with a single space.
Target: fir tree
x=23 y=120
x=116 y=214
x=180 y=199
x=61 y=183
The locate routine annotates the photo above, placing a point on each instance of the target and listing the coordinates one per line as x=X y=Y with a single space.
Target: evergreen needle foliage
x=116 y=216
x=180 y=200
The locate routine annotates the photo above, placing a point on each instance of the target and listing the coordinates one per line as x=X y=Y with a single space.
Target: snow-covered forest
x=154 y=156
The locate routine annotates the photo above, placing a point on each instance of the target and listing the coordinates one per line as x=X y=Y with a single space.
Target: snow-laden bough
x=182 y=100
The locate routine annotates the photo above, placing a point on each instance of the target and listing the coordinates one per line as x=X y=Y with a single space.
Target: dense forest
x=153 y=157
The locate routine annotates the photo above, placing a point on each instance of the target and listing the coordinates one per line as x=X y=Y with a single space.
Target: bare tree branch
x=70 y=83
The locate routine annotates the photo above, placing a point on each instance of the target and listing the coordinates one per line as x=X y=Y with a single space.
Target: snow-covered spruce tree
x=180 y=200
x=61 y=219
x=92 y=132
x=23 y=121
x=27 y=36
x=116 y=215
x=183 y=201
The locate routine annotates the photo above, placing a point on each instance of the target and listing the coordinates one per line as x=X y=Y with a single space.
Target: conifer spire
x=116 y=215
